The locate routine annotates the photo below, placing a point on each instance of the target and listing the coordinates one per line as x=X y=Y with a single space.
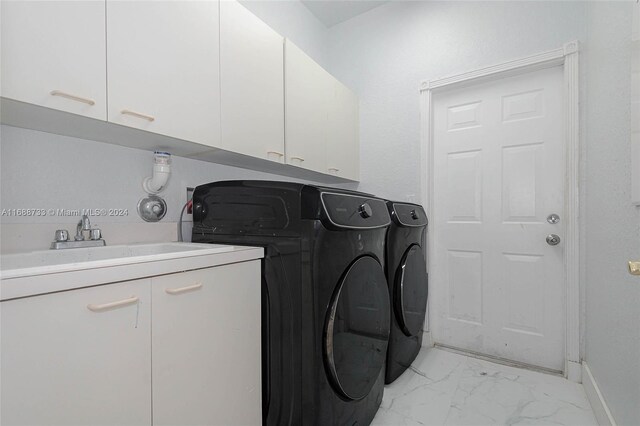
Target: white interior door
x=497 y=285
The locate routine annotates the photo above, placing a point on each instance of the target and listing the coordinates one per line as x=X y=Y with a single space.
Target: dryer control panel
x=354 y=211
x=408 y=214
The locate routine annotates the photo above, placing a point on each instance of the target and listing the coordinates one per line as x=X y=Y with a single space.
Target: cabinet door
x=53 y=54
x=307 y=88
x=252 y=84
x=343 y=144
x=162 y=63
x=81 y=357
x=206 y=347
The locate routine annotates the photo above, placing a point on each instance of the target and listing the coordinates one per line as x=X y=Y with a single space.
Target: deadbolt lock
x=553 y=218
x=634 y=268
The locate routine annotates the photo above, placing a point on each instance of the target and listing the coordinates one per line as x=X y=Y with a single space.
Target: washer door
x=410 y=292
x=357 y=329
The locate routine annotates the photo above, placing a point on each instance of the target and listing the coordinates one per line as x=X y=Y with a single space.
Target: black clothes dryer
x=407 y=278
x=325 y=304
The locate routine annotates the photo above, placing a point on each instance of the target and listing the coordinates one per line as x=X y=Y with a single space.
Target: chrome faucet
x=62 y=240
x=83 y=225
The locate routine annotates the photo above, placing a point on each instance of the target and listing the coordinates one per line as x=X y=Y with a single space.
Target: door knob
x=553 y=239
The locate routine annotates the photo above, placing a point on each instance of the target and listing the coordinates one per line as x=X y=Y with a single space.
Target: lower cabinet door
x=206 y=346
x=80 y=357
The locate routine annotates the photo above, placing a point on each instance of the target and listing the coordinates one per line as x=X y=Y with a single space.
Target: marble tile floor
x=446 y=388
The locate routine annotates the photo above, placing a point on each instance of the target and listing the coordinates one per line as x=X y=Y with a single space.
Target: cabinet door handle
x=184 y=289
x=113 y=305
x=138 y=114
x=297 y=158
x=62 y=94
x=280 y=154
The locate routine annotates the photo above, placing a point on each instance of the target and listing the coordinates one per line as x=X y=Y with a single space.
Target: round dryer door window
x=357 y=329
x=410 y=292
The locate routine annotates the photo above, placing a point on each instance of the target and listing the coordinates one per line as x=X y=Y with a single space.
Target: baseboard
x=596 y=399
x=498 y=360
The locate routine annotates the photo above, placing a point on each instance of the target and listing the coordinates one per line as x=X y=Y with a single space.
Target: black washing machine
x=407 y=278
x=325 y=304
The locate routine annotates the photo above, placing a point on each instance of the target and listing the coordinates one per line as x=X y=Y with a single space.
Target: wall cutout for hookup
x=152 y=208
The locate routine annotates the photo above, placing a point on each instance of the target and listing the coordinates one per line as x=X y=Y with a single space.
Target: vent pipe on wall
x=161 y=172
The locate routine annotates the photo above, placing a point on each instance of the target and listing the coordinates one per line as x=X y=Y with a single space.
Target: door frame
x=566 y=57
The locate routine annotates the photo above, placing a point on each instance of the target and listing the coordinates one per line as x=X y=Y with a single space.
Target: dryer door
x=410 y=291
x=357 y=329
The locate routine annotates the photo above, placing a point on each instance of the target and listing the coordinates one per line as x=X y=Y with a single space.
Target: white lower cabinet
x=178 y=349
x=80 y=357
x=206 y=347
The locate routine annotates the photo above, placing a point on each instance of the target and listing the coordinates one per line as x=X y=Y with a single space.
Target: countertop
x=41 y=272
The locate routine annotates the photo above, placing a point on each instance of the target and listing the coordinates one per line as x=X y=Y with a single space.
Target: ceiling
x=333 y=12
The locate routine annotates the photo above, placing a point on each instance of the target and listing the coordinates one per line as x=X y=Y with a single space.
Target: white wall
x=43 y=170
x=46 y=171
x=384 y=55
x=39 y=170
x=291 y=19
x=612 y=223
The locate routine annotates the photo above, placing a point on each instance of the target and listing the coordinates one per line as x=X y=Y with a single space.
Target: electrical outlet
x=189 y=197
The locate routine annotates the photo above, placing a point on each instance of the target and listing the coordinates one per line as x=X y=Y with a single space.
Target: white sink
x=54 y=261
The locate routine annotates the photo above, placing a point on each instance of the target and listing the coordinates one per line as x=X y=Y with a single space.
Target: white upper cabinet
x=307 y=95
x=163 y=67
x=208 y=72
x=251 y=84
x=53 y=54
x=321 y=118
x=343 y=142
